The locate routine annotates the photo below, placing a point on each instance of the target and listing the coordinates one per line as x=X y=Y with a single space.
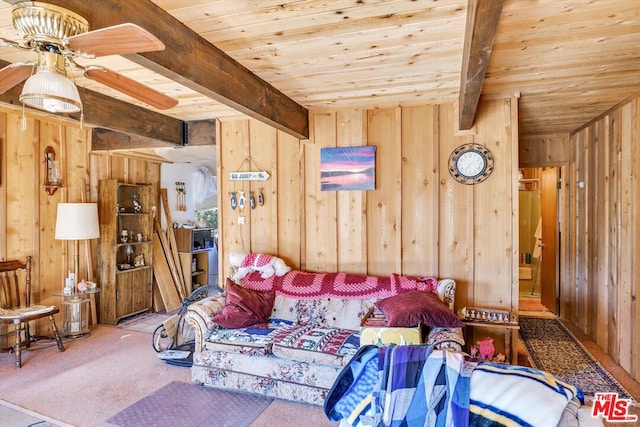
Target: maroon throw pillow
x=244 y=307
x=408 y=309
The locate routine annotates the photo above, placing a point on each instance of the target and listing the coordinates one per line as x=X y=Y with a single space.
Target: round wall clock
x=471 y=163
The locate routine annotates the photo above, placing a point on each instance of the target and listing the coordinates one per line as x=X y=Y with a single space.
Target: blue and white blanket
x=423 y=386
x=420 y=386
x=503 y=395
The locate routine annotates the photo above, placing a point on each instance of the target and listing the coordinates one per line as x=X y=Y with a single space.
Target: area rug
x=554 y=349
x=183 y=404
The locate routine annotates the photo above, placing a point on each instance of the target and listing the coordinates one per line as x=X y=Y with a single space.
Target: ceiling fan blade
x=130 y=87
x=116 y=40
x=13 y=74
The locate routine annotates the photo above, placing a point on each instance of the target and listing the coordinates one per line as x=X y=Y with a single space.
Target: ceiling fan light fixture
x=52 y=92
x=38 y=22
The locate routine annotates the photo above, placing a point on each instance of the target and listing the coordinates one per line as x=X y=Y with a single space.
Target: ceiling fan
x=59 y=36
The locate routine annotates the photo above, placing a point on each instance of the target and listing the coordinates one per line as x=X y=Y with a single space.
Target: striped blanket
x=420 y=386
x=518 y=396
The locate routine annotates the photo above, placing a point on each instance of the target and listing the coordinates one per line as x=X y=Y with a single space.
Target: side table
x=510 y=330
x=75 y=312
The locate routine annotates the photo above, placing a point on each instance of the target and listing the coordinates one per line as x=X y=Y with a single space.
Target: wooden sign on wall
x=249 y=176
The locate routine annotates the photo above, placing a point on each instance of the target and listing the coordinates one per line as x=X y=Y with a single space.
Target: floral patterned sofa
x=309 y=334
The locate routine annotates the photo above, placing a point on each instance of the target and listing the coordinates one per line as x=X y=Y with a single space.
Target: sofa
x=310 y=333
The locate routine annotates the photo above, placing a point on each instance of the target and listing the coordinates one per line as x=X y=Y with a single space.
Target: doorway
x=539 y=239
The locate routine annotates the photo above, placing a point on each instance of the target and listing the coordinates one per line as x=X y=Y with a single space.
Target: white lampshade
x=77 y=221
x=52 y=92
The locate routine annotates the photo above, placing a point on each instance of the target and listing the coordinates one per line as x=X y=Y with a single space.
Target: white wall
x=183 y=172
x=170 y=173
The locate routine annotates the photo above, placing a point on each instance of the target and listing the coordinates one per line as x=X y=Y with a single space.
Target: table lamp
x=77 y=221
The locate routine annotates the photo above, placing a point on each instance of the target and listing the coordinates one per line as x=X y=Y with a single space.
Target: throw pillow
x=245 y=307
x=408 y=309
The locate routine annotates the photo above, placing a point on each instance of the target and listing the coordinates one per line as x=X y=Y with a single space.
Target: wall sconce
x=51 y=171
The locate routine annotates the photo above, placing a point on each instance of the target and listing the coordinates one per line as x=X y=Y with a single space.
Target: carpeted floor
x=145 y=322
x=101 y=375
x=179 y=403
x=553 y=348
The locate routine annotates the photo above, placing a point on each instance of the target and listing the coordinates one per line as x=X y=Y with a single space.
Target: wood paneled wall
x=28 y=214
x=418 y=220
x=600 y=292
x=545 y=150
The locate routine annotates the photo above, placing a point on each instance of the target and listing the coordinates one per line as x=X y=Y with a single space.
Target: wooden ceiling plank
x=482 y=22
x=195 y=63
x=329 y=19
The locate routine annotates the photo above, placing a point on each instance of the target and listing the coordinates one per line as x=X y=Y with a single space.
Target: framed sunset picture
x=348 y=168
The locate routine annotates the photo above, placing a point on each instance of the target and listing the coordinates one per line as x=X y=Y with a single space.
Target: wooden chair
x=13 y=312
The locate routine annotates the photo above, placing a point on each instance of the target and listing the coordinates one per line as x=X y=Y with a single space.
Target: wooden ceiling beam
x=192 y=61
x=197 y=133
x=480 y=31
x=103 y=111
x=200 y=132
x=107 y=140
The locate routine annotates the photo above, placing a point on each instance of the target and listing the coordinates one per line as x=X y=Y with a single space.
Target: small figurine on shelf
x=486 y=348
x=474 y=351
x=135 y=199
x=138 y=261
x=501 y=358
x=68 y=286
x=82 y=286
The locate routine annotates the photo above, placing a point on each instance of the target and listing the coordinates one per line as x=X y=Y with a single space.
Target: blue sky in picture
x=348 y=168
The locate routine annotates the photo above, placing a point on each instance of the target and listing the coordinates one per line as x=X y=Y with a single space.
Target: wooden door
x=549 y=259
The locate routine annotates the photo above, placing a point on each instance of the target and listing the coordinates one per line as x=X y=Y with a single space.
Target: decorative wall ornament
x=249 y=176
x=470 y=163
x=348 y=168
x=52 y=178
x=239 y=197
